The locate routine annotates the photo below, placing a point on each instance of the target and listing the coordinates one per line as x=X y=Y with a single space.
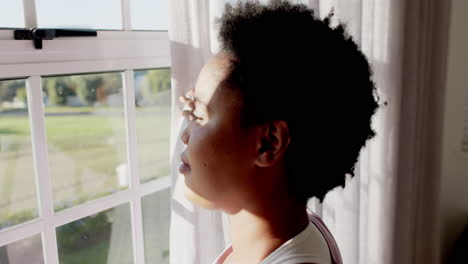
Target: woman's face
x=219 y=156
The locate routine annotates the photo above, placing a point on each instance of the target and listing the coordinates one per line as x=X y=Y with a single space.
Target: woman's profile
x=278 y=116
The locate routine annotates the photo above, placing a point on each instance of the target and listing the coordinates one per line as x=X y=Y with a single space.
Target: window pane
x=11 y=14
x=102 y=14
x=153 y=104
x=18 y=202
x=150 y=14
x=85 y=129
x=28 y=250
x=156 y=219
x=101 y=238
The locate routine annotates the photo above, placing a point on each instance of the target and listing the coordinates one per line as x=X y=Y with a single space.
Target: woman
x=279 y=115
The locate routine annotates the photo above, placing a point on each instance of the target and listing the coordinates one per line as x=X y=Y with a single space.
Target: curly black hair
x=292 y=66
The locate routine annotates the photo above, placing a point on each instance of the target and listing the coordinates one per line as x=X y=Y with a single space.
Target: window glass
x=18 y=199
x=99 y=239
x=11 y=14
x=102 y=14
x=153 y=114
x=156 y=220
x=28 y=250
x=85 y=129
x=150 y=14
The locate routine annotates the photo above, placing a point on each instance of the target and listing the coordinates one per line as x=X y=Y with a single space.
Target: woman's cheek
x=199 y=148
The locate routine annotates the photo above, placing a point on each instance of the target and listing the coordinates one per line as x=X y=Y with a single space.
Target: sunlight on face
x=211 y=76
x=218 y=147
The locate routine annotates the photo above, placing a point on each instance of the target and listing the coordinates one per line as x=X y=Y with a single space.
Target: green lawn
x=87 y=159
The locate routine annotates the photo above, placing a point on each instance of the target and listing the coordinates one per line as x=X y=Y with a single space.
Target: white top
x=309 y=246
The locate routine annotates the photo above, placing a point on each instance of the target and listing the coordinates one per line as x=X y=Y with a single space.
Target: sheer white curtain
x=197 y=235
x=360 y=216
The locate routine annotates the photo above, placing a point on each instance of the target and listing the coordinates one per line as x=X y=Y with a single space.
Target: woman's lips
x=184 y=166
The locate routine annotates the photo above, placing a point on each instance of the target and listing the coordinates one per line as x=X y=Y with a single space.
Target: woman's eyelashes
x=195 y=115
x=189 y=109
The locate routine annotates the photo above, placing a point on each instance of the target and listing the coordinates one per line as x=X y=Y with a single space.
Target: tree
x=96 y=87
x=155 y=82
x=21 y=95
x=8 y=89
x=86 y=87
x=158 y=80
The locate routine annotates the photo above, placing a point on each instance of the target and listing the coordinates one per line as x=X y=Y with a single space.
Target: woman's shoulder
x=309 y=246
x=330 y=240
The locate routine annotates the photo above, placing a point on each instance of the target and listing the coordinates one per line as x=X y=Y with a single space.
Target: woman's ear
x=273 y=141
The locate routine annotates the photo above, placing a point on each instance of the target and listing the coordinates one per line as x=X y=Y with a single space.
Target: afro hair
x=292 y=66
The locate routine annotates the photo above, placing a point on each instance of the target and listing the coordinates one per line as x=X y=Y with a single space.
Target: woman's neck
x=264 y=226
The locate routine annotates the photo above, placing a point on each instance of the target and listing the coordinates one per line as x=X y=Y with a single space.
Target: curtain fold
x=197 y=235
x=361 y=215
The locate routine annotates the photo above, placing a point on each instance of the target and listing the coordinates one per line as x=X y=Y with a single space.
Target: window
x=152 y=99
x=12 y=17
x=28 y=249
x=102 y=14
x=17 y=184
x=84 y=134
x=104 y=237
x=150 y=14
x=85 y=128
x=156 y=227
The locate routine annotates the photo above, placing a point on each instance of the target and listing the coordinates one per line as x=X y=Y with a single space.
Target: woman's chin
x=196 y=199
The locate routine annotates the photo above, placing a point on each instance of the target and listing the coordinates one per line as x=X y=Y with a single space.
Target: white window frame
x=123 y=51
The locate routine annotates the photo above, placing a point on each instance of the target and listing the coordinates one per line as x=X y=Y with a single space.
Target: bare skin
x=238 y=169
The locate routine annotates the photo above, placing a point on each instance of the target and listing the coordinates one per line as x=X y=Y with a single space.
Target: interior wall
x=454 y=175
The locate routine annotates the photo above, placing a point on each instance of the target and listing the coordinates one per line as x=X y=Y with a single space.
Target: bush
x=83 y=232
x=17 y=218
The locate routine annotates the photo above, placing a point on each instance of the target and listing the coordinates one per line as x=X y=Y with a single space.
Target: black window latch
x=38 y=34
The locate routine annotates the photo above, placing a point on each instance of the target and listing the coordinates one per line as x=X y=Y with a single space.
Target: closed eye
x=191 y=115
x=195 y=115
